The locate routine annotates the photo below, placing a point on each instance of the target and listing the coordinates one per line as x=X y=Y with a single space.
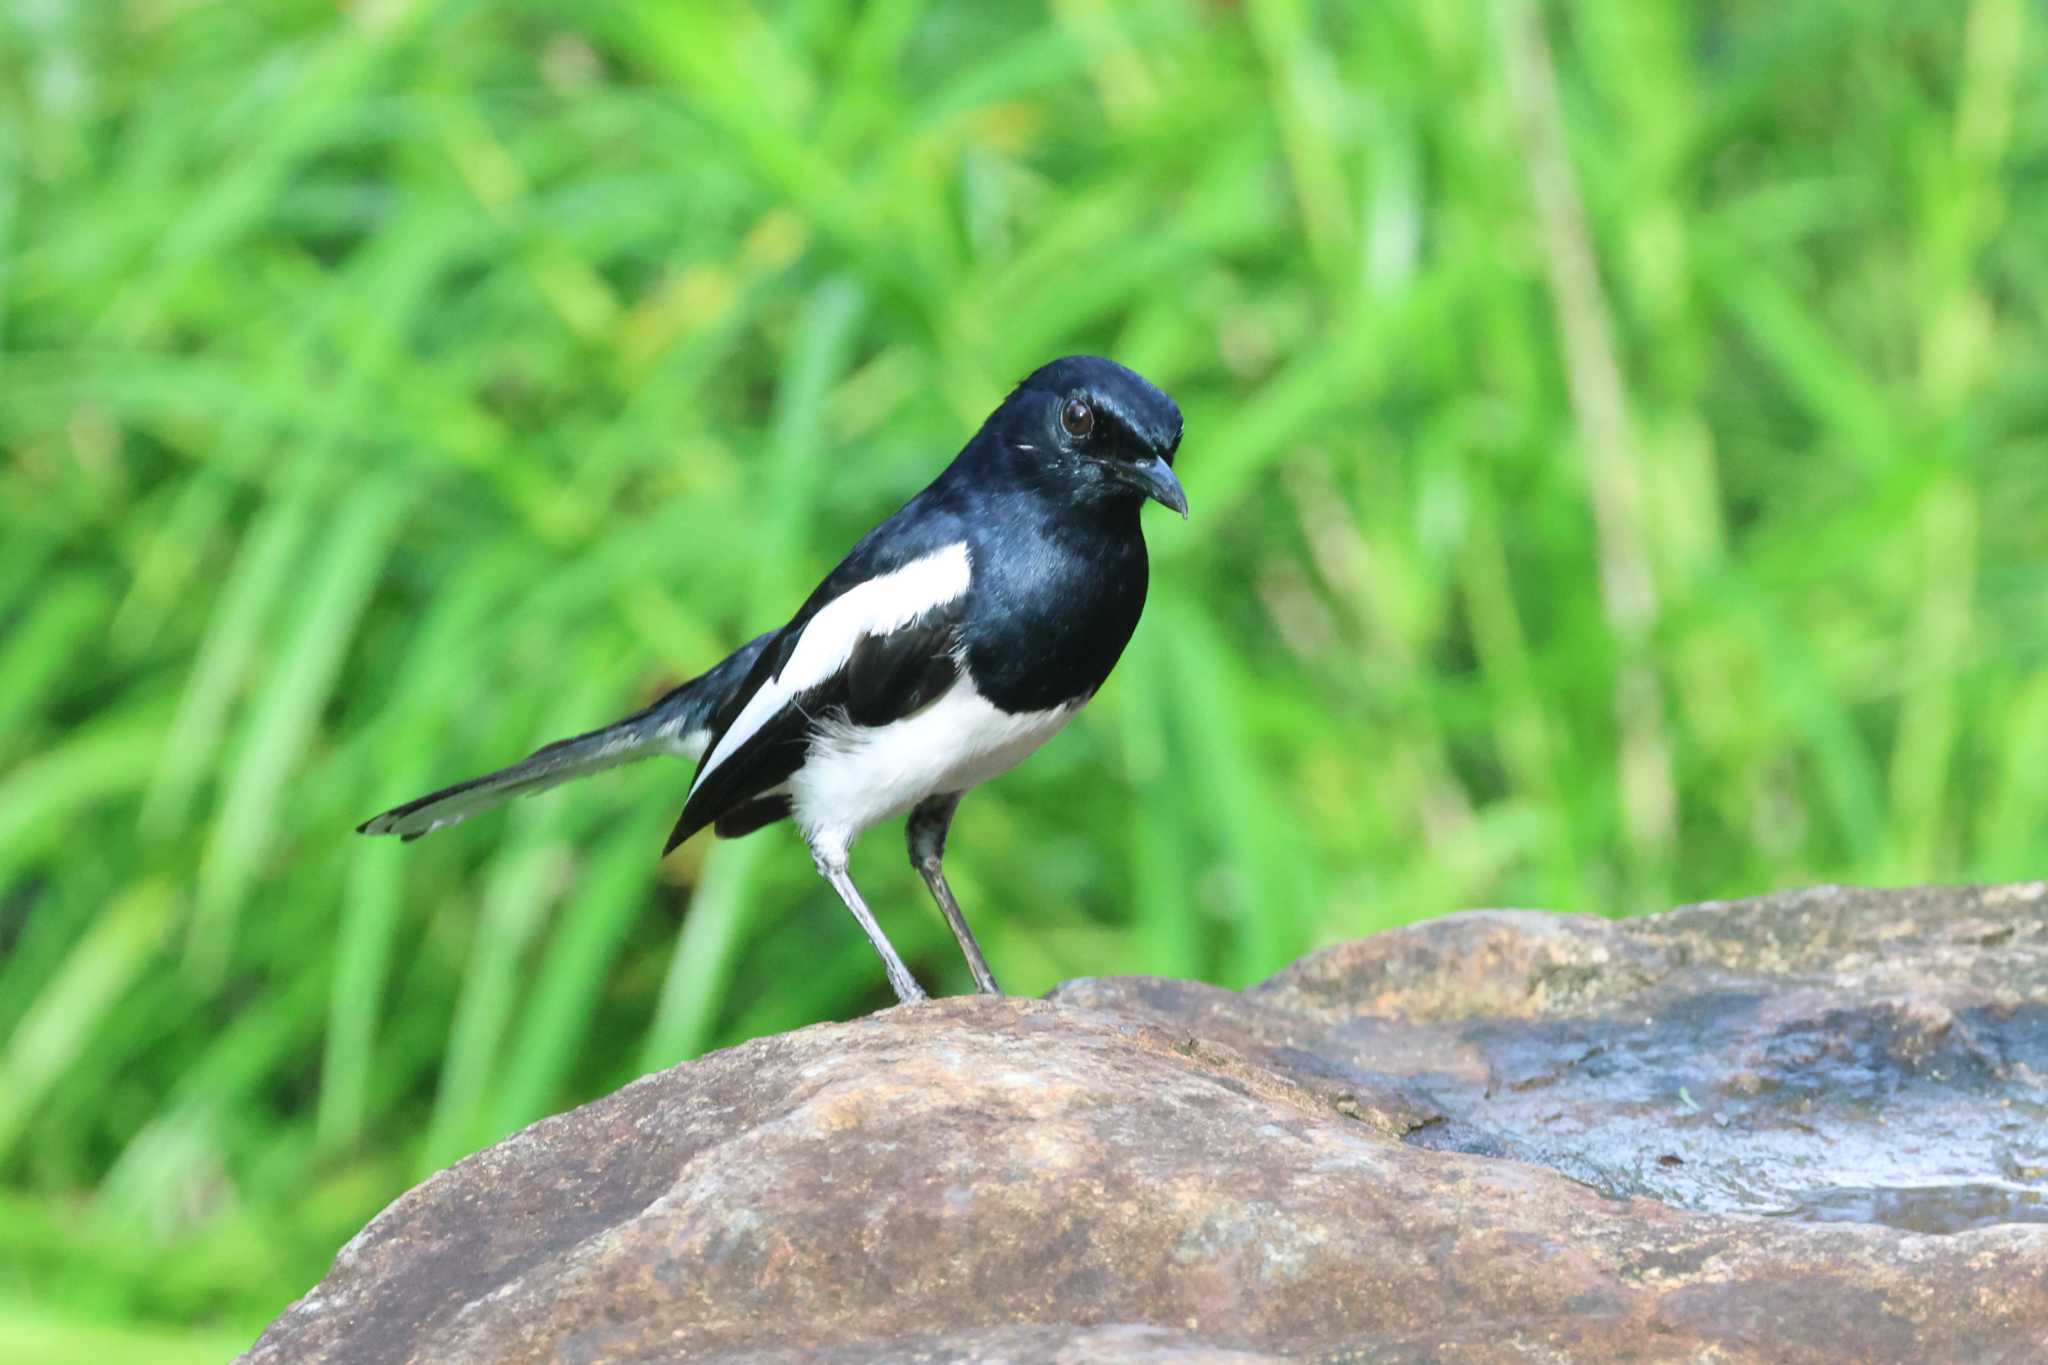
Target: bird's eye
x=1077 y=417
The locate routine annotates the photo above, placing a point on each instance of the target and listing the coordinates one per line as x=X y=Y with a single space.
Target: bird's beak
x=1154 y=477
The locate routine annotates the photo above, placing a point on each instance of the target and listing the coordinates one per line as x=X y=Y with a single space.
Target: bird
x=953 y=640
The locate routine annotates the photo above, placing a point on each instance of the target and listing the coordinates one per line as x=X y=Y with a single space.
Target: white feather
x=683 y=743
x=855 y=776
x=876 y=607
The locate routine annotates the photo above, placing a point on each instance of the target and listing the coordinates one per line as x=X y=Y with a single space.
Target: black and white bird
x=952 y=641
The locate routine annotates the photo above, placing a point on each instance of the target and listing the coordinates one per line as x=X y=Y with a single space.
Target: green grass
x=386 y=388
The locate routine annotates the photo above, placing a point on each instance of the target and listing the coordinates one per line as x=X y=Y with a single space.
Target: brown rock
x=1500 y=1136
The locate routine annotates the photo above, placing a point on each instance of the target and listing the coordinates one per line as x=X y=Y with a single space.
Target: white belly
x=855 y=776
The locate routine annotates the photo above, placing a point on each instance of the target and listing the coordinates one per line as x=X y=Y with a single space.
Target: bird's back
x=1047 y=603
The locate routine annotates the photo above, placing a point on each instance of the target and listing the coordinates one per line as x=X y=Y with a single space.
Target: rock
x=1805 y=1128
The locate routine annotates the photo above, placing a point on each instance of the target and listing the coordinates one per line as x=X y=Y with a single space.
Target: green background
x=1615 y=437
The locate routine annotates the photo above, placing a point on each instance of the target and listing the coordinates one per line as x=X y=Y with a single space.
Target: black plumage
x=664 y=727
x=952 y=640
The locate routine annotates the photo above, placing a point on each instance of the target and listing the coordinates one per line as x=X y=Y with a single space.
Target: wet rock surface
x=1809 y=1127
x=1832 y=1055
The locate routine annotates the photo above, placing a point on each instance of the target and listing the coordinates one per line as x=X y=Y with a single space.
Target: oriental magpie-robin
x=954 y=639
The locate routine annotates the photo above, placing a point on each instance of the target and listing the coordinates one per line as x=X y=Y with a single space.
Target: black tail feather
x=677 y=724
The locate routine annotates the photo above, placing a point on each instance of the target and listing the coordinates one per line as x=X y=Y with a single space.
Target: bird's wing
x=878 y=640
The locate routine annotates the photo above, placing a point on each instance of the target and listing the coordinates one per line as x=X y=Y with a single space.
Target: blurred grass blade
x=41 y=798
x=369 y=921
x=71 y=1006
x=241 y=611
x=329 y=599
x=37 y=655
x=556 y=1018
x=515 y=901
x=700 y=968
x=1165 y=906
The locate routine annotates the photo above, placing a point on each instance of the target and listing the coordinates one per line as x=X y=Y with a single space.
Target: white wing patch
x=876 y=607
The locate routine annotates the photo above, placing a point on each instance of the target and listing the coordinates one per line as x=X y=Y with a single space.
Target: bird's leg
x=926 y=833
x=832 y=867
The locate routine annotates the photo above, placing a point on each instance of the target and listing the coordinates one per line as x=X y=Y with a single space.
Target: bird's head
x=1097 y=429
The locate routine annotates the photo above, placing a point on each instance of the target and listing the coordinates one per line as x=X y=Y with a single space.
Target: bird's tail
x=678 y=724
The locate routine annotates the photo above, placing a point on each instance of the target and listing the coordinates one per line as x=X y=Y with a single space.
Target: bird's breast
x=1046 y=627
x=856 y=775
